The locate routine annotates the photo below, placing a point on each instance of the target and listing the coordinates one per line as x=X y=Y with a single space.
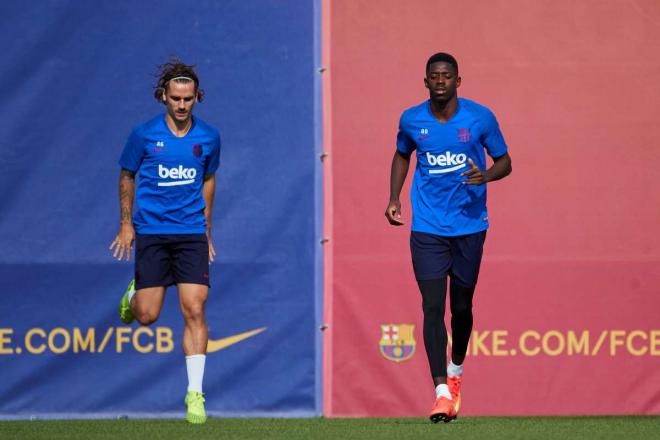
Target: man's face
x=180 y=98
x=442 y=81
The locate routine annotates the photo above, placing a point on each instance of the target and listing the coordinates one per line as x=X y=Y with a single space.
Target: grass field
x=564 y=428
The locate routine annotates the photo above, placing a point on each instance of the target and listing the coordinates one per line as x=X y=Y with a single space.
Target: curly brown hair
x=172 y=69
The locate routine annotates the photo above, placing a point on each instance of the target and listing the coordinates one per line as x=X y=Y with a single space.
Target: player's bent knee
x=146 y=317
x=144 y=321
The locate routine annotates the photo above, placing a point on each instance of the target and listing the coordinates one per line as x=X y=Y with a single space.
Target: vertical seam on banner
x=328 y=242
x=318 y=209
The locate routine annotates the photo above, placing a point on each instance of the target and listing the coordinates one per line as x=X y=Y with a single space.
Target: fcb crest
x=464 y=135
x=397 y=341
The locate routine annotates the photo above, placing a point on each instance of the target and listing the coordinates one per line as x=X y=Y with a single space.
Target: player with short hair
x=450 y=219
x=175 y=156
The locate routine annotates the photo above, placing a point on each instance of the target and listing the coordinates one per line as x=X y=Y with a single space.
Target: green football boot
x=125 y=313
x=195 y=407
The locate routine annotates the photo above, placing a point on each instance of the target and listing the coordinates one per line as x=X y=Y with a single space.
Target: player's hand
x=393 y=213
x=123 y=242
x=475 y=175
x=211 y=248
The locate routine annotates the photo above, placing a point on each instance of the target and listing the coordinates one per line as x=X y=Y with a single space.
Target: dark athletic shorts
x=434 y=257
x=164 y=260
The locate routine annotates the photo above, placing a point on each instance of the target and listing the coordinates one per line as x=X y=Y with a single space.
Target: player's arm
x=208 y=192
x=123 y=242
x=501 y=168
x=400 y=165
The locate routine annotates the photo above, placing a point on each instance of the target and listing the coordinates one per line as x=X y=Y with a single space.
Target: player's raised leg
x=125 y=312
x=143 y=304
x=147 y=303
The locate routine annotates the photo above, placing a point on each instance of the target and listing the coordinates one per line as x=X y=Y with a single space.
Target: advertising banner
x=567 y=308
x=80 y=77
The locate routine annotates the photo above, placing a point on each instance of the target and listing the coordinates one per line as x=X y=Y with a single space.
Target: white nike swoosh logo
x=219 y=344
x=176 y=182
x=446 y=170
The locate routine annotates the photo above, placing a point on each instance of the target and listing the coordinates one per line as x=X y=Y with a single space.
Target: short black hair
x=442 y=57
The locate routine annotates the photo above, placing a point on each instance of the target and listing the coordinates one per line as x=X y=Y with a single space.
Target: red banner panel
x=567 y=309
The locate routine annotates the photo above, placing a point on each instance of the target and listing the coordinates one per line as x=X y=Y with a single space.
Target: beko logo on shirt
x=182 y=176
x=453 y=161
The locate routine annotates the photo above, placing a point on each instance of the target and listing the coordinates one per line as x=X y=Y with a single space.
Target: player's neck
x=178 y=128
x=443 y=111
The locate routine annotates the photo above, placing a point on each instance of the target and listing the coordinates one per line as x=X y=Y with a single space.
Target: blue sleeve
x=403 y=142
x=214 y=157
x=131 y=157
x=493 y=140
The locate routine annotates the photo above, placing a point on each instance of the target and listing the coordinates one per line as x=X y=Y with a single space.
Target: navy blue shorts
x=434 y=257
x=164 y=260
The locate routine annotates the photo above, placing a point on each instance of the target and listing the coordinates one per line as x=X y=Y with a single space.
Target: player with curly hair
x=174 y=156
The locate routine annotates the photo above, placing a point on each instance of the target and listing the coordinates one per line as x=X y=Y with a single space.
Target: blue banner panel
x=82 y=75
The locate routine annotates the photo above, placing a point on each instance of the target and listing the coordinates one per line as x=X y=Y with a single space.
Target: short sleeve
x=214 y=157
x=131 y=157
x=492 y=139
x=403 y=142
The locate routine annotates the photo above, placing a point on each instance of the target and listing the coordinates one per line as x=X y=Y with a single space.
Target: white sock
x=454 y=370
x=442 y=390
x=195 y=367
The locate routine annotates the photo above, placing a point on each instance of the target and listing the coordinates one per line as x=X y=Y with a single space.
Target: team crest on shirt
x=197 y=150
x=397 y=341
x=464 y=135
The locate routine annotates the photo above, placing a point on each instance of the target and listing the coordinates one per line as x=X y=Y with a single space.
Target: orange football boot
x=454 y=384
x=443 y=410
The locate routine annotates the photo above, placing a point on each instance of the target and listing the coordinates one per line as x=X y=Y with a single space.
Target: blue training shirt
x=170 y=174
x=441 y=203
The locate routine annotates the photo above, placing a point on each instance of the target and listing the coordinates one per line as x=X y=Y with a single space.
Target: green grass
x=466 y=428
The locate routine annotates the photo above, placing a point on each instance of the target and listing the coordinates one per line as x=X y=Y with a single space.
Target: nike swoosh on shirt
x=446 y=170
x=219 y=344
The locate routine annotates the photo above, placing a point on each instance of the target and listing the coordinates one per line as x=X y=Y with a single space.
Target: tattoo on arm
x=126 y=194
x=125 y=214
x=127 y=174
